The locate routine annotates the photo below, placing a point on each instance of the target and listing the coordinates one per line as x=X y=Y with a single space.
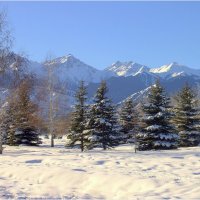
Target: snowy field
x=58 y=173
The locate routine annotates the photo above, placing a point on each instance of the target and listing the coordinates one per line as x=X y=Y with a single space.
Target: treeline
x=156 y=124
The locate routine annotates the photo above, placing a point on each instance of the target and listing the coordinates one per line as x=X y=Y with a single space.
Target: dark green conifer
x=78 y=136
x=157 y=131
x=186 y=117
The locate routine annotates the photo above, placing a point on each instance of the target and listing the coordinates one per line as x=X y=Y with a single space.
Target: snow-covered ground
x=58 y=173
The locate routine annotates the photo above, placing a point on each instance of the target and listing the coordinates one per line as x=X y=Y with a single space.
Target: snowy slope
x=174 y=69
x=166 y=71
x=137 y=97
x=58 y=173
x=69 y=68
x=127 y=68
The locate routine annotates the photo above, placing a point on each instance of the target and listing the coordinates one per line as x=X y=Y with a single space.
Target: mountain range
x=124 y=79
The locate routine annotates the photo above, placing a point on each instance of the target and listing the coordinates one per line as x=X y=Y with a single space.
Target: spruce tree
x=77 y=135
x=186 y=117
x=127 y=121
x=157 y=132
x=103 y=126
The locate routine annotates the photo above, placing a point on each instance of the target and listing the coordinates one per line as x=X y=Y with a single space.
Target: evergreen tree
x=157 y=132
x=5 y=123
x=9 y=123
x=23 y=117
x=127 y=121
x=77 y=133
x=103 y=126
x=186 y=117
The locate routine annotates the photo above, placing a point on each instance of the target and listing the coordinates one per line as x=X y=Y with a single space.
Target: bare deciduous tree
x=5 y=46
x=56 y=99
x=51 y=105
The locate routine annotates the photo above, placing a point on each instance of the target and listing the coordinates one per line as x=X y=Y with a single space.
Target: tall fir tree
x=103 y=126
x=157 y=131
x=186 y=117
x=127 y=120
x=78 y=135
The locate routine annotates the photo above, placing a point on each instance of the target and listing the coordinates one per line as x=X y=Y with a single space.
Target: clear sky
x=100 y=33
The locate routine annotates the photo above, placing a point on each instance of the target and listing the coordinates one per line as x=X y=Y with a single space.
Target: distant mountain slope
x=127 y=68
x=174 y=69
x=171 y=86
x=121 y=87
x=166 y=71
x=69 y=71
x=72 y=69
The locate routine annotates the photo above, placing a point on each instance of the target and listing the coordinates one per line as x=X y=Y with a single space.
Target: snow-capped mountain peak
x=174 y=69
x=127 y=68
x=69 y=61
x=67 y=58
x=174 y=66
x=71 y=69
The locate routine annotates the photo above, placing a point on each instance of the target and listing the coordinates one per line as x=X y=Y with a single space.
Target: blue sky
x=100 y=33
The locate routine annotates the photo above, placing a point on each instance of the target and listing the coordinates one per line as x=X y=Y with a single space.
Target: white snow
x=138 y=95
x=72 y=69
x=174 y=69
x=153 y=127
x=171 y=70
x=53 y=173
x=127 y=68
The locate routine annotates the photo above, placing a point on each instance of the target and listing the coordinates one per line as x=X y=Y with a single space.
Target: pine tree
x=23 y=117
x=103 y=126
x=157 y=132
x=127 y=121
x=186 y=117
x=77 y=134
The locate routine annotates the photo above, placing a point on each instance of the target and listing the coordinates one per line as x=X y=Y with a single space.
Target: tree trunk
x=135 y=142
x=104 y=144
x=51 y=105
x=82 y=147
x=52 y=140
x=1 y=144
